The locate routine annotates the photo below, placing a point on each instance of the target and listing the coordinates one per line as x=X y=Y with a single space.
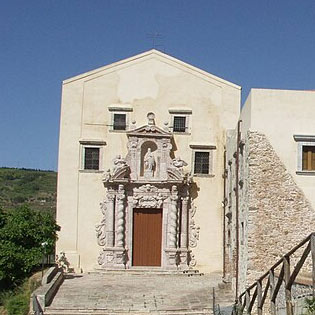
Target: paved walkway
x=111 y=293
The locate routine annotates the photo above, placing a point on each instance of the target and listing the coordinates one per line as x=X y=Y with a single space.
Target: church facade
x=141 y=159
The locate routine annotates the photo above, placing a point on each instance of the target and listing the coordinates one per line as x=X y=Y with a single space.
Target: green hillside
x=33 y=187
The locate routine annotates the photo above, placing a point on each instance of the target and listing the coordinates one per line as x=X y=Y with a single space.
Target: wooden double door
x=147 y=237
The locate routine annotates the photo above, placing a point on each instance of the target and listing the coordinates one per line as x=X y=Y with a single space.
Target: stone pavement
x=138 y=293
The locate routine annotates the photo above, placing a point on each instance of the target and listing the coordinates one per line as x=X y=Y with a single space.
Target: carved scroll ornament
x=100 y=228
x=193 y=228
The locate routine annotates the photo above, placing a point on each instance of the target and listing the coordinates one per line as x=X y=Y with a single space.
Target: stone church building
x=159 y=169
x=141 y=157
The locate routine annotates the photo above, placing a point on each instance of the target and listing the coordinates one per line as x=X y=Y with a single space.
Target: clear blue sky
x=253 y=43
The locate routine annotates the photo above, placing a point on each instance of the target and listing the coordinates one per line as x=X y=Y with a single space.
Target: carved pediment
x=149 y=131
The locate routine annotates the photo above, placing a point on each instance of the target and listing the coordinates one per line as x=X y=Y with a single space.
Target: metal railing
x=257 y=293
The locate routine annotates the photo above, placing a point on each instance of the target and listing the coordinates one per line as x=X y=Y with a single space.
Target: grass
x=17 y=301
x=33 y=187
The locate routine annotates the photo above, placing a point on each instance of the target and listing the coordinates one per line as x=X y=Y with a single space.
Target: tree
x=22 y=233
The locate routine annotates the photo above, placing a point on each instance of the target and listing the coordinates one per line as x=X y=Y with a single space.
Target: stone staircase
x=139 y=292
x=224 y=299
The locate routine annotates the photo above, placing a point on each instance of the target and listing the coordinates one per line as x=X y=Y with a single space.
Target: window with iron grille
x=119 y=122
x=179 y=124
x=201 y=165
x=91 y=158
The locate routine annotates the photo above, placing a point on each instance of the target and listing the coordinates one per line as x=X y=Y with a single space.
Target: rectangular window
x=308 y=158
x=305 y=154
x=91 y=158
x=201 y=165
x=119 y=122
x=179 y=124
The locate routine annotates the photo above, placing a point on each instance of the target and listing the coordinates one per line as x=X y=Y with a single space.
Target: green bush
x=18 y=304
x=22 y=233
x=18 y=199
x=310 y=306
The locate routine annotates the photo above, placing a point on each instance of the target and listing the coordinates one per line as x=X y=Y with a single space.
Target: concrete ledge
x=44 y=295
x=49 y=275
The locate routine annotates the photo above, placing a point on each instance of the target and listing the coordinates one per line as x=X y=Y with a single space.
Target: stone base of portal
x=177 y=259
x=115 y=257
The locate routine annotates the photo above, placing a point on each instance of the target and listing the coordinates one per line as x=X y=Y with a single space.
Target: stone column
x=184 y=220
x=110 y=220
x=120 y=218
x=172 y=219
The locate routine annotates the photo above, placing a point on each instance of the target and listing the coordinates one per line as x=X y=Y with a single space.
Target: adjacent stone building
x=269 y=188
x=141 y=157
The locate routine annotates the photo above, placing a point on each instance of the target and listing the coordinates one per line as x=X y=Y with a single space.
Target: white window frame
x=203 y=148
x=187 y=113
x=119 y=110
x=302 y=141
x=95 y=144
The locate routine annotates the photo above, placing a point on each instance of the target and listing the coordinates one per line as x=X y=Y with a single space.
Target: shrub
x=18 y=304
x=22 y=233
x=18 y=199
x=310 y=306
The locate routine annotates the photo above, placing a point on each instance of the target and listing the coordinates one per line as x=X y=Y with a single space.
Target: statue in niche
x=149 y=163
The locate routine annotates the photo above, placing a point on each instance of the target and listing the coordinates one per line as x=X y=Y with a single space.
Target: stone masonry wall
x=278 y=215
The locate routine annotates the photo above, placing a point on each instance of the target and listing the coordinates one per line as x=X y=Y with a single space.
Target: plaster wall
x=155 y=83
x=280 y=114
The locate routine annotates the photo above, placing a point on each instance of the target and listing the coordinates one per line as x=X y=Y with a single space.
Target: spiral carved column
x=110 y=220
x=120 y=218
x=184 y=221
x=172 y=223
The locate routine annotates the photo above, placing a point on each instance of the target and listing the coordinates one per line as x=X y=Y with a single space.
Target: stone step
x=108 y=312
x=137 y=270
x=224 y=298
x=120 y=292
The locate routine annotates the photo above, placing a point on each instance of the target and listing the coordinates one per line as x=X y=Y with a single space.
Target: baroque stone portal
x=147 y=178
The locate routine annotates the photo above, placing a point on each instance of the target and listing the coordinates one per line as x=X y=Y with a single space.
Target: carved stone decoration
x=191 y=260
x=120 y=217
x=110 y=219
x=118 y=163
x=151 y=178
x=149 y=163
x=106 y=258
x=184 y=220
x=101 y=258
x=175 y=170
x=172 y=222
x=121 y=170
x=101 y=228
x=107 y=176
x=193 y=229
x=178 y=163
x=148 y=196
x=174 y=174
x=151 y=117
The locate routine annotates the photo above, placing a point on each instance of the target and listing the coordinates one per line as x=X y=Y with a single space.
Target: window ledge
x=181 y=133
x=203 y=175
x=308 y=173
x=91 y=171
x=92 y=142
x=118 y=131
